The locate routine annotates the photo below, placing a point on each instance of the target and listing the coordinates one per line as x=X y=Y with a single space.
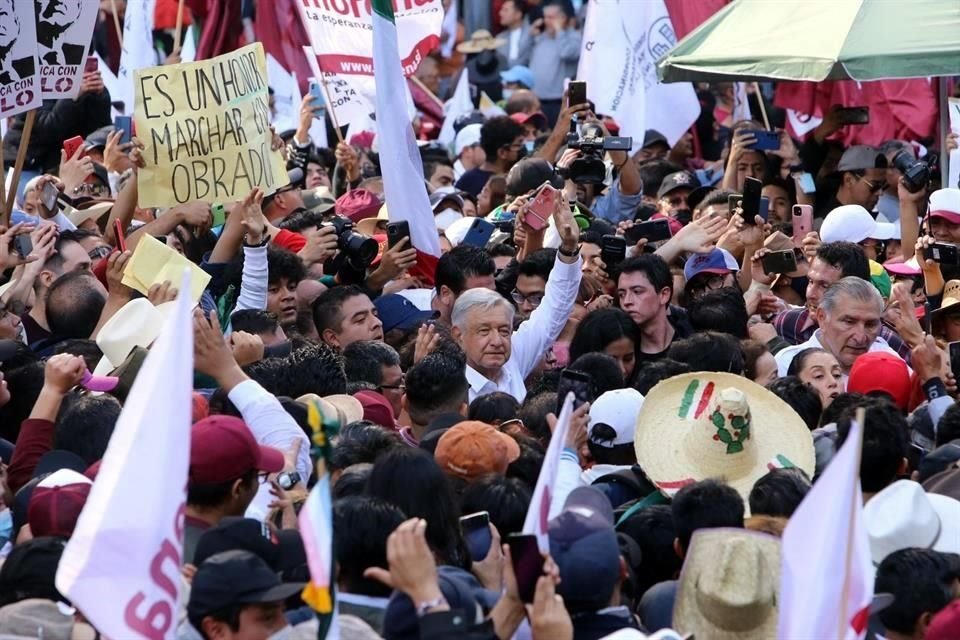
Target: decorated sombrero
x=717 y=425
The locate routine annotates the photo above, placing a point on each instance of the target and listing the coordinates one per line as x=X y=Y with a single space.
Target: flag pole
x=420 y=84
x=116 y=22
x=333 y=111
x=7 y=213
x=843 y=622
x=21 y=157
x=177 y=36
x=763 y=107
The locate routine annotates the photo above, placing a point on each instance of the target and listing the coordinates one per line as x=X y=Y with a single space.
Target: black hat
x=529 y=174
x=282 y=550
x=98 y=139
x=678 y=180
x=235 y=577
x=30 y=569
x=652 y=137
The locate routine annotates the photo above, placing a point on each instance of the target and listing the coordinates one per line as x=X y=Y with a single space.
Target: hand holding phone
x=476 y=533
x=527 y=564
x=802 y=222
x=578 y=383
x=613 y=251
x=577 y=92
x=651 y=230
x=779 y=262
x=71 y=145
x=124 y=124
x=397 y=231
x=539 y=210
x=750 y=203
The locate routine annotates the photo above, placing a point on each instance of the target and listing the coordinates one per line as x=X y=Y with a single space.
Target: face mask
x=684 y=216
x=283 y=634
x=446 y=218
x=507 y=93
x=6 y=526
x=528 y=146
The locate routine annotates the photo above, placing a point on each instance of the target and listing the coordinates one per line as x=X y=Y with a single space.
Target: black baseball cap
x=529 y=174
x=281 y=550
x=235 y=577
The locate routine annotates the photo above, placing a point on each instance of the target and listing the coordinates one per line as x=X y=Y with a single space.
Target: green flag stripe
x=384 y=9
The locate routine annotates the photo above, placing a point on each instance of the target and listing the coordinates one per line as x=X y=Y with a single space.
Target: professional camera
x=357 y=249
x=589 y=167
x=916 y=173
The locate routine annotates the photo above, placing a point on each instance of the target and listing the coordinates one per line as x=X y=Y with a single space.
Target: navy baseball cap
x=717 y=261
x=396 y=312
x=281 y=550
x=584 y=545
x=235 y=577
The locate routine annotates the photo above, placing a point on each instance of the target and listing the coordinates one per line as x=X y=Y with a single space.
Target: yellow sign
x=205 y=127
x=153 y=263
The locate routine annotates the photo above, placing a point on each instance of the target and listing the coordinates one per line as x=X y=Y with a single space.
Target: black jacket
x=57 y=120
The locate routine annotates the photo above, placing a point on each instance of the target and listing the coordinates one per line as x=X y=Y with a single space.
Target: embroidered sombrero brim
x=672 y=458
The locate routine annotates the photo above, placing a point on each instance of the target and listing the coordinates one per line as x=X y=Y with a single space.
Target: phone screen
x=476 y=533
x=954 y=348
x=527 y=564
x=751 y=200
x=577 y=93
x=577 y=382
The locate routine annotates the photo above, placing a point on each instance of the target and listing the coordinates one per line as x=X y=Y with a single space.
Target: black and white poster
x=19 y=79
x=64 y=32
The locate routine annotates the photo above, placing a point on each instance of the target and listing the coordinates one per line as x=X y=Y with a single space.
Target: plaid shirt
x=796 y=326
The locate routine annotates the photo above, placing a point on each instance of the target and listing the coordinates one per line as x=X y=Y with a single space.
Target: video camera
x=916 y=173
x=589 y=167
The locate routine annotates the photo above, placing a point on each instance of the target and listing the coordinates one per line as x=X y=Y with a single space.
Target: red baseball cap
x=881 y=371
x=376 y=409
x=358 y=204
x=56 y=503
x=223 y=449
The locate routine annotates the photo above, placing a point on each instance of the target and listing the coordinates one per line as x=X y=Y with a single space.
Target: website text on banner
x=205 y=127
x=19 y=82
x=63 y=39
x=340 y=33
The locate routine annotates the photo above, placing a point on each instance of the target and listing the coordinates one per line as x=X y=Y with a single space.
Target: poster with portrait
x=19 y=81
x=64 y=32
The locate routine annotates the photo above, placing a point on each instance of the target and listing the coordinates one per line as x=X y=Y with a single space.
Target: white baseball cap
x=853 y=223
x=618 y=409
x=466 y=137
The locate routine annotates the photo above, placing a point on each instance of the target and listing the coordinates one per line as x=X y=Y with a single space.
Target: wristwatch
x=569 y=254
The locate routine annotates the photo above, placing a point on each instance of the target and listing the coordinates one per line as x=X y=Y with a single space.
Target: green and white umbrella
x=820 y=40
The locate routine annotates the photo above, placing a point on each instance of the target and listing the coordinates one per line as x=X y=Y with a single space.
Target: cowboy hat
x=706 y=425
x=93 y=212
x=728 y=586
x=950 y=300
x=136 y=324
x=480 y=40
x=368 y=226
x=903 y=515
x=345 y=408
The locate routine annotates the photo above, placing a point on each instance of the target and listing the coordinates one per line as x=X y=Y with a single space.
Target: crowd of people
x=717 y=353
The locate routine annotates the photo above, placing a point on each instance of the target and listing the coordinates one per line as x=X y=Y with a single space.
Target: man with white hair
x=848 y=318
x=499 y=359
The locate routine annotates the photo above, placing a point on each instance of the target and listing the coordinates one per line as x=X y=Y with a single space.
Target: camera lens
x=363 y=248
x=916 y=173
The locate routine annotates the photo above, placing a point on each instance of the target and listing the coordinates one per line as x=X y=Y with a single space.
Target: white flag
x=741 y=103
x=459 y=104
x=286 y=96
x=622 y=42
x=953 y=165
x=538 y=513
x=826 y=574
x=137 y=52
x=121 y=567
x=403 y=183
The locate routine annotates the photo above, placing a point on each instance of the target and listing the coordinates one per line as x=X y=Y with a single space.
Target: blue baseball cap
x=717 y=261
x=396 y=312
x=519 y=74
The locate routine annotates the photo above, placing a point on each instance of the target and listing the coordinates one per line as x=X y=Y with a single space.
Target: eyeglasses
x=715 y=281
x=874 y=187
x=100 y=252
x=534 y=299
x=396 y=387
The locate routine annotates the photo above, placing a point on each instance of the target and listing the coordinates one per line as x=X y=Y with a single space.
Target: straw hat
x=344 y=408
x=728 y=586
x=94 y=212
x=951 y=298
x=717 y=425
x=136 y=324
x=481 y=40
x=368 y=226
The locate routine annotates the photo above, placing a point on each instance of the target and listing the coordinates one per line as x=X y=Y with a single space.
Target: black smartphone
x=854 y=115
x=751 y=200
x=764 y=208
x=943 y=253
x=613 y=250
x=397 y=231
x=652 y=230
x=954 y=349
x=124 y=124
x=527 y=563
x=476 y=533
x=48 y=196
x=779 y=262
x=478 y=235
x=577 y=382
x=23 y=245
x=577 y=92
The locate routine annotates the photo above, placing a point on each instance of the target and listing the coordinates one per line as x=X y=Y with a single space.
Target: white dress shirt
x=786 y=356
x=534 y=336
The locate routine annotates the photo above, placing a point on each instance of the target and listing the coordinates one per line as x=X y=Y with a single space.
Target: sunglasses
x=874 y=187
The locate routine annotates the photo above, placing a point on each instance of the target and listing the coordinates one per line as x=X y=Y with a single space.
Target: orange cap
x=472 y=449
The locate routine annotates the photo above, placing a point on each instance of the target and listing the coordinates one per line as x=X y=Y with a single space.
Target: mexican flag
x=403 y=183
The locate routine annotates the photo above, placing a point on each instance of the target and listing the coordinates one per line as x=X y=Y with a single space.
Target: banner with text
x=205 y=127
x=64 y=31
x=19 y=82
x=340 y=33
